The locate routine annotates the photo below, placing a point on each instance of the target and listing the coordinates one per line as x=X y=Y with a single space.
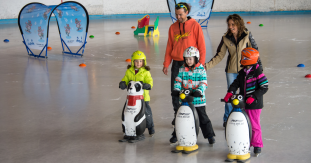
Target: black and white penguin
x=133 y=115
x=186 y=124
x=238 y=131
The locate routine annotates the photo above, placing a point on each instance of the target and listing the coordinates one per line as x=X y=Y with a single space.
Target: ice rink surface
x=52 y=110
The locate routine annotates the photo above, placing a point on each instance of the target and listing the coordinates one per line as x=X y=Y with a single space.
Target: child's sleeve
x=125 y=78
x=148 y=79
x=262 y=82
x=203 y=82
x=235 y=85
x=178 y=81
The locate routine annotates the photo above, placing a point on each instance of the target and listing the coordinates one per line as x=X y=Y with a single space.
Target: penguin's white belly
x=130 y=113
x=185 y=127
x=237 y=134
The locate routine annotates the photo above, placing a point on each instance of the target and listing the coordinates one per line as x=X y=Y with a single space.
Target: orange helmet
x=249 y=56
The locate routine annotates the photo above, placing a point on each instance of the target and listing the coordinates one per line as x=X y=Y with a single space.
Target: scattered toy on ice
x=6 y=40
x=82 y=65
x=248 y=22
x=128 y=60
x=117 y=33
x=308 y=76
x=49 y=48
x=261 y=25
x=301 y=65
x=91 y=36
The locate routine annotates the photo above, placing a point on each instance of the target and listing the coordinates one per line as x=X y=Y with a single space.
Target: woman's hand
x=165 y=70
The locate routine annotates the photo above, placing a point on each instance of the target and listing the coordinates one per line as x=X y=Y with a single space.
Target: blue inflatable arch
x=72 y=20
x=200 y=10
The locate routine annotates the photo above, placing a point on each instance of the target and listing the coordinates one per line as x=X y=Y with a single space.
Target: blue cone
x=6 y=40
x=301 y=65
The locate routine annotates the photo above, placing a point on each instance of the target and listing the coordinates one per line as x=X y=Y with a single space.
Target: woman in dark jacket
x=234 y=40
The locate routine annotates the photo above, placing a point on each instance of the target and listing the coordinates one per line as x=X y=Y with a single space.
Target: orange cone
x=248 y=22
x=49 y=48
x=128 y=60
x=82 y=65
x=133 y=27
x=117 y=33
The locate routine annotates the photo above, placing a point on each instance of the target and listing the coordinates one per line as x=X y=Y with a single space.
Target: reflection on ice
x=37 y=82
x=74 y=86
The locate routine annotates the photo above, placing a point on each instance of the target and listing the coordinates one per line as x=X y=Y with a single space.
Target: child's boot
x=151 y=131
x=173 y=140
x=211 y=140
x=257 y=151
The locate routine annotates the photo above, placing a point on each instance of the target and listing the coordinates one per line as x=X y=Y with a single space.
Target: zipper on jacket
x=237 y=58
x=245 y=88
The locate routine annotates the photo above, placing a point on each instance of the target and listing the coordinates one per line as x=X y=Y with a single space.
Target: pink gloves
x=228 y=95
x=250 y=100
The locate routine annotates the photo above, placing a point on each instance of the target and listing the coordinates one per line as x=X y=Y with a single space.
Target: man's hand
x=165 y=69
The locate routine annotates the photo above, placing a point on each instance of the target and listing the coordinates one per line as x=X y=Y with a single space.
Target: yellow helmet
x=139 y=55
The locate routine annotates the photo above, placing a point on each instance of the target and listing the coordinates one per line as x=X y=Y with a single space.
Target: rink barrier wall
x=122 y=16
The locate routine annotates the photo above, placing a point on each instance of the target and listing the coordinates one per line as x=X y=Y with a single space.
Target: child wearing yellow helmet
x=139 y=71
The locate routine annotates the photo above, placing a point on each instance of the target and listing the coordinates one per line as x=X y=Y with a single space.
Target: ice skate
x=257 y=151
x=151 y=131
x=173 y=141
x=211 y=141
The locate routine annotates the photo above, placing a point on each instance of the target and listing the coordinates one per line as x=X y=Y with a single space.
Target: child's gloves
x=146 y=86
x=250 y=100
x=228 y=96
x=122 y=85
x=175 y=93
x=197 y=94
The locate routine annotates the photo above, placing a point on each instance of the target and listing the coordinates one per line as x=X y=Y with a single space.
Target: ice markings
x=270 y=139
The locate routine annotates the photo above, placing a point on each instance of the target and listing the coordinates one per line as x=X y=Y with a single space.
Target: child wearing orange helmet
x=253 y=84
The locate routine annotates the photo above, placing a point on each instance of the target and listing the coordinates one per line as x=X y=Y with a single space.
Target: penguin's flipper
x=249 y=124
x=140 y=128
x=123 y=111
x=196 y=118
x=141 y=112
x=123 y=127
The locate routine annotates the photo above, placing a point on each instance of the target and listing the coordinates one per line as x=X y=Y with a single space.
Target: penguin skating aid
x=238 y=131
x=133 y=115
x=186 y=124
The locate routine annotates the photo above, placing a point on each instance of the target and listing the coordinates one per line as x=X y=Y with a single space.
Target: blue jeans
x=228 y=107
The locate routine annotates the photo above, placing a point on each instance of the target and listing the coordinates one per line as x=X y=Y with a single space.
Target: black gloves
x=146 y=86
x=122 y=85
x=197 y=94
x=175 y=93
